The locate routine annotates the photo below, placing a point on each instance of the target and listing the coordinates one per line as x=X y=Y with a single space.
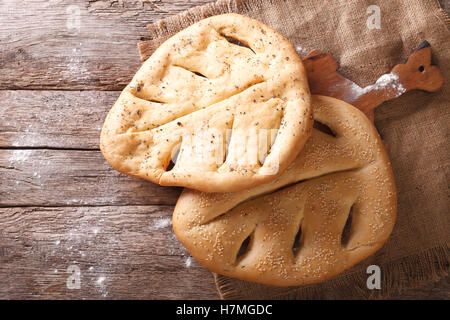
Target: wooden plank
x=67 y=120
x=53 y=119
x=78 y=44
x=115 y=248
x=41 y=177
x=121 y=252
x=72 y=45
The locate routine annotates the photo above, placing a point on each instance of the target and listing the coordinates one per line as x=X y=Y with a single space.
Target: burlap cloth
x=415 y=126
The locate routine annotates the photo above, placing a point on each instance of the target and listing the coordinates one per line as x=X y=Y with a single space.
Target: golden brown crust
x=211 y=99
x=330 y=177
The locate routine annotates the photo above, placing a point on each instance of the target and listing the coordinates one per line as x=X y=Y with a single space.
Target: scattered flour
x=100 y=280
x=72 y=201
x=188 y=262
x=173 y=245
x=28 y=136
x=76 y=64
x=101 y=283
x=20 y=156
x=301 y=51
x=161 y=223
x=386 y=81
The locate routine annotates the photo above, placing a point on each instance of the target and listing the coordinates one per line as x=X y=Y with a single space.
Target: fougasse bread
x=334 y=206
x=227 y=97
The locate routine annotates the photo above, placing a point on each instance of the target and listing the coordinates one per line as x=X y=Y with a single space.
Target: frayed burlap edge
x=397 y=276
x=443 y=13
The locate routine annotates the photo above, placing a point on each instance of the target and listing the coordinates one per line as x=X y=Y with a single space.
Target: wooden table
x=71 y=226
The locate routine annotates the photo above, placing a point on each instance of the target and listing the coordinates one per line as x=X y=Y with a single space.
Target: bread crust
x=199 y=91
x=332 y=176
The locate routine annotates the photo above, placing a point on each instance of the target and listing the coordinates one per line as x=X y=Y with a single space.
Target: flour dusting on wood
x=100 y=282
x=20 y=156
x=76 y=64
x=188 y=262
x=301 y=51
x=388 y=81
x=161 y=224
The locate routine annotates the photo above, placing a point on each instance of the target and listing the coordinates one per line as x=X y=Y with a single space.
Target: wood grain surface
x=61 y=205
x=126 y=252
x=75 y=45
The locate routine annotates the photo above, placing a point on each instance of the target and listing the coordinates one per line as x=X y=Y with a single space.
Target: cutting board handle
x=416 y=73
